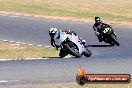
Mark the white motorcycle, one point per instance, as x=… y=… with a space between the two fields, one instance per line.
x=70 y=44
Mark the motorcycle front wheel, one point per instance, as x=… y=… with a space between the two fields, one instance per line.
x=87 y=53
x=73 y=50
x=114 y=39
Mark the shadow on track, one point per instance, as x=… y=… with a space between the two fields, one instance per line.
x=51 y=57
x=98 y=46
x=60 y=57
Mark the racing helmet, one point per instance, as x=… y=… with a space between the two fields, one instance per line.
x=52 y=31
x=97 y=19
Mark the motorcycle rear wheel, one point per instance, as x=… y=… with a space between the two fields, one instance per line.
x=62 y=53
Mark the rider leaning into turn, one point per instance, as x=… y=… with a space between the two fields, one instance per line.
x=53 y=31
x=98 y=26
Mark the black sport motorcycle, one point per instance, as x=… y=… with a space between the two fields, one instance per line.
x=108 y=35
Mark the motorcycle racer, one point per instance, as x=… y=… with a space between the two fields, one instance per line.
x=98 y=26
x=53 y=31
x=68 y=42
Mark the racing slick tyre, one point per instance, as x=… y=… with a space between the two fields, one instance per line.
x=81 y=80
x=114 y=39
x=87 y=53
x=73 y=50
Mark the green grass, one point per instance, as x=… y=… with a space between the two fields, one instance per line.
x=115 y=10
x=19 y=51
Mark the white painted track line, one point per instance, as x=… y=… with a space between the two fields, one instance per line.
x=6 y=81
x=30 y=44
x=5 y=40
x=3 y=81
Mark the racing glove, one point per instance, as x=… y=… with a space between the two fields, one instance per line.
x=97 y=33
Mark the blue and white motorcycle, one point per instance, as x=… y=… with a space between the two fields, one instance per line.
x=70 y=44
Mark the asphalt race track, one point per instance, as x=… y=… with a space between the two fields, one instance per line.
x=34 y=30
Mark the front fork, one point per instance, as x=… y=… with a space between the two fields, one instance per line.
x=114 y=34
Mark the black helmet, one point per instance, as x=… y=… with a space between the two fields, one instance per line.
x=97 y=19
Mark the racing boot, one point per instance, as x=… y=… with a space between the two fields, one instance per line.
x=100 y=38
